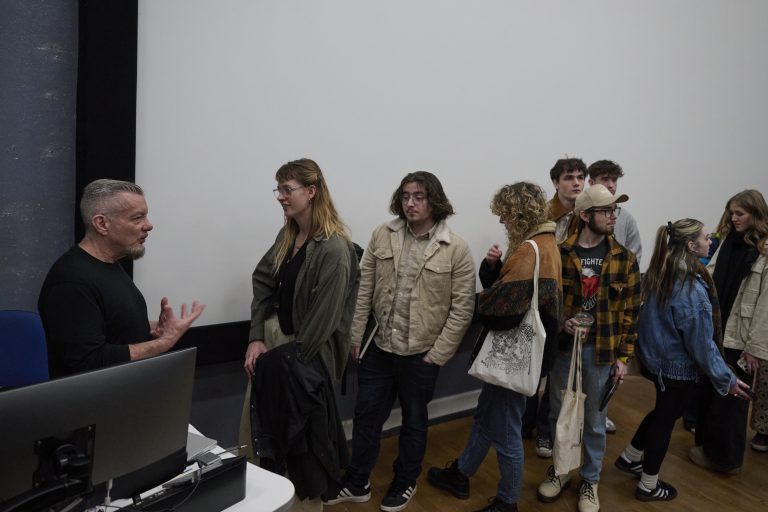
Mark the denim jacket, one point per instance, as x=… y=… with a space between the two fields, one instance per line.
x=676 y=342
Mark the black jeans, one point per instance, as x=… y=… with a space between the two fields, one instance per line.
x=655 y=430
x=382 y=377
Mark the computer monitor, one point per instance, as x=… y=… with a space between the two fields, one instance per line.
x=128 y=421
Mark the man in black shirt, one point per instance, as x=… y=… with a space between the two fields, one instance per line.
x=93 y=314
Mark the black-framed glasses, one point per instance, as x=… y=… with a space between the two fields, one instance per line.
x=607 y=212
x=285 y=191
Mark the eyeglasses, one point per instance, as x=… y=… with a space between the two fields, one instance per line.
x=417 y=197
x=285 y=191
x=607 y=211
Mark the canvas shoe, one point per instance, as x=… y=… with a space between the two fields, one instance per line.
x=450 y=479
x=397 y=497
x=662 y=492
x=551 y=488
x=348 y=492
x=588 y=500
x=544 y=447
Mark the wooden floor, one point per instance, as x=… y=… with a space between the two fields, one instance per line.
x=699 y=490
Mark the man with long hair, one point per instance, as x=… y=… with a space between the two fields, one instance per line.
x=418 y=282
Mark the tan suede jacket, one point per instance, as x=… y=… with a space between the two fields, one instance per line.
x=746 y=328
x=442 y=299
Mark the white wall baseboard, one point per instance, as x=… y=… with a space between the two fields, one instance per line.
x=437 y=408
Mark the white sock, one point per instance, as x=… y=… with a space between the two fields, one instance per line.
x=648 y=482
x=632 y=454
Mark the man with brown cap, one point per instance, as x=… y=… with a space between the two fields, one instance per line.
x=601 y=278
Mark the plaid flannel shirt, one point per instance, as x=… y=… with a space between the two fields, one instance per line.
x=618 y=301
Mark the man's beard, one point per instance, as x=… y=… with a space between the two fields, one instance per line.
x=597 y=229
x=135 y=252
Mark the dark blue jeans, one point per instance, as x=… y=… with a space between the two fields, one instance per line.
x=382 y=377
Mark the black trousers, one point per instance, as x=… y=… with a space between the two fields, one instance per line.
x=655 y=431
x=721 y=424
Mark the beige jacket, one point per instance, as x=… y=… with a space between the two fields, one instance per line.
x=442 y=299
x=747 y=326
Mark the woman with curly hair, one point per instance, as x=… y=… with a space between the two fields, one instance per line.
x=740 y=271
x=522 y=208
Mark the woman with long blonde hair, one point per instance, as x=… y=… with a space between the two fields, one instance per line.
x=304 y=291
x=739 y=270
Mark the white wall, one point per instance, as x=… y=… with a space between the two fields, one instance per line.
x=480 y=93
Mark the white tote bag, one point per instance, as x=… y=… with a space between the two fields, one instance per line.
x=570 y=421
x=512 y=359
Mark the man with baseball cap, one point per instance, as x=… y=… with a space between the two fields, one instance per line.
x=601 y=278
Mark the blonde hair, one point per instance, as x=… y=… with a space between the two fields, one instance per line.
x=523 y=207
x=672 y=261
x=325 y=220
x=752 y=202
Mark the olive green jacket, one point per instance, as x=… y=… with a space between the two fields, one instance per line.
x=323 y=301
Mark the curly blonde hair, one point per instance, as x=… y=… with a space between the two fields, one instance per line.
x=522 y=207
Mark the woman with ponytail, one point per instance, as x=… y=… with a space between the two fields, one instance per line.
x=678 y=330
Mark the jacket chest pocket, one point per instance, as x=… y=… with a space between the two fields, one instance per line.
x=385 y=265
x=617 y=292
x=750 y=290
x=436 y=279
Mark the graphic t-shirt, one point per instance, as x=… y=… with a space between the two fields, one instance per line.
x=591 y=266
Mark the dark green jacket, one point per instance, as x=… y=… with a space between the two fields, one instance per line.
x=323 y=302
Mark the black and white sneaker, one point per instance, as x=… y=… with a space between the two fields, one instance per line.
x=633 y=468
x=348 y=492
x=662 y=492
x=397 y=497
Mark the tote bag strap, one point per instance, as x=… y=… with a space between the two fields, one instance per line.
x=535 y=298
x=574 y=374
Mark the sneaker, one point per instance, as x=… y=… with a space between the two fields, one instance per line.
x=397 y=497
x=697 y=456
x=588 y=500
x=450 y=479
x=347 y=492
x=610 y=426
x=496 y=505
x=551 y=488
x=759 y=443
x=544 y=447
x=662 y=492
x=627 y=466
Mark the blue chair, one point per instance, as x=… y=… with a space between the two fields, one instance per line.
x=23 y=353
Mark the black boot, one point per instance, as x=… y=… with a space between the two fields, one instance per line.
x=499 y=506
x=450 y=479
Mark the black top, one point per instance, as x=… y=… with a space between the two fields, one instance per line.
x=91 y=311
x=591 y=266
x=286 y=278
x=733 y=265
